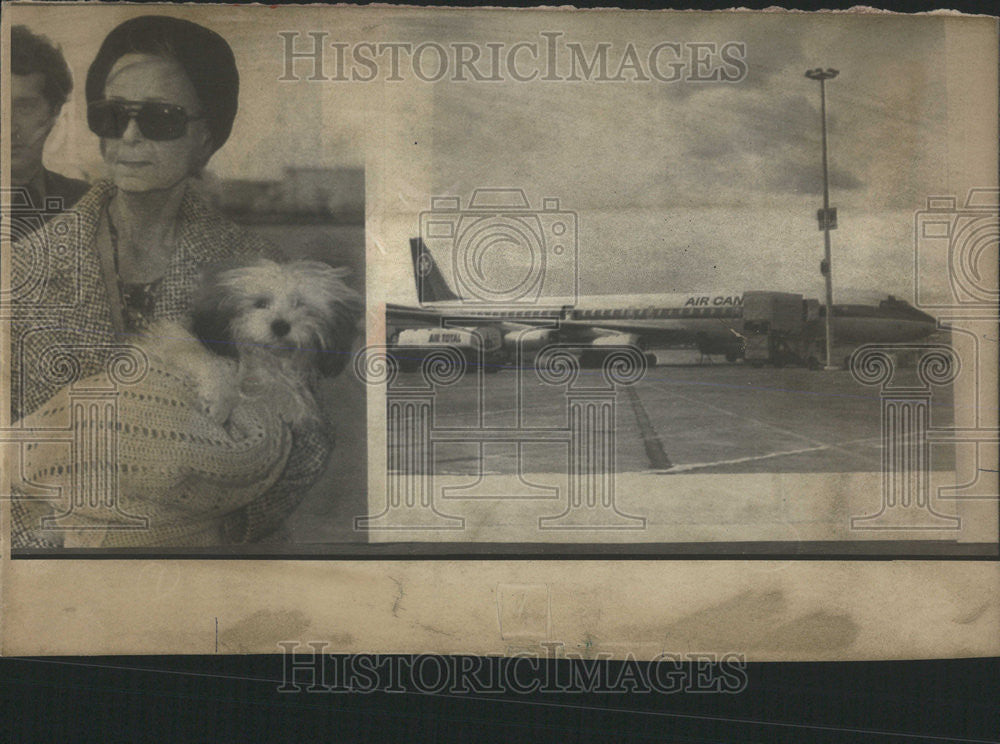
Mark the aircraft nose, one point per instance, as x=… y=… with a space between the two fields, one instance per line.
x=924 y=324
x=927 y=319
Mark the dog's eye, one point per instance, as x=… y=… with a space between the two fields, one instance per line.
x=260 y=302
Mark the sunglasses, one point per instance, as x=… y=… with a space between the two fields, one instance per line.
x=157 y=121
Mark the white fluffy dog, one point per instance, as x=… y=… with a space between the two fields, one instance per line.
x=272 y=328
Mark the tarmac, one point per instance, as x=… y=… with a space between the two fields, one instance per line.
x=796 y=454
x=713 y=417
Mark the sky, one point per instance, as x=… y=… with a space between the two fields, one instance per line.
x=680 y=187
x=673 y=187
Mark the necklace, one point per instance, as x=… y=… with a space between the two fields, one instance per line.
x=136 y=299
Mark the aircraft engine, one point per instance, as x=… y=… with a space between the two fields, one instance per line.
x=465 y=339
x=616 y=339
x=411 y=346
x=528 y=340
x=603 y=345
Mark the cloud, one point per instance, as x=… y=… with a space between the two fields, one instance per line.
x=809 y=180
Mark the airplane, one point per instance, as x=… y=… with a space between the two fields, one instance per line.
x=758 y=327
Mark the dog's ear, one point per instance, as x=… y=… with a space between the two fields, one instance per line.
x=340 y=331
x=211 y=316
x=332 y=362
x=343 y=306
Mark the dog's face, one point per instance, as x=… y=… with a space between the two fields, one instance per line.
x=300 y=310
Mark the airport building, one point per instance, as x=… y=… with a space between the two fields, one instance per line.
x=303 y=193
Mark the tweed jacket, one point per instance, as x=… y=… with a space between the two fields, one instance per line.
x=59 y=300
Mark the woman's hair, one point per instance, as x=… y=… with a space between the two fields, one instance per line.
x=204 y=56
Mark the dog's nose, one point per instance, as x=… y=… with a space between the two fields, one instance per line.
x=280 y=328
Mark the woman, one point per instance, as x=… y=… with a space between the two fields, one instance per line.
x=162 y=96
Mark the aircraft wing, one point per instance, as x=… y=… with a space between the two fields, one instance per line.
x=397 y=314
x=423 y=317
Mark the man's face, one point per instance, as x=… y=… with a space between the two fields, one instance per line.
x=32 y=120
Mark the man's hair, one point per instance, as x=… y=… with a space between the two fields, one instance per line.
x=33 y=53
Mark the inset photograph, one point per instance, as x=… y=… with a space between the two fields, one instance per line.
x=187 y=290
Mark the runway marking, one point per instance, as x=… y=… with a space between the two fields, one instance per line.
x=738 y=460
x=816 y=443
x=650 y=439
x=655 y=452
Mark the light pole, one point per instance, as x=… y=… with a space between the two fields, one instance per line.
x=827 y=217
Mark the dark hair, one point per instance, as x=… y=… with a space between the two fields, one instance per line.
x=204 y=55
x=32 y=53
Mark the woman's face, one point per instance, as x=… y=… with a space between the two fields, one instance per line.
x=139 y=164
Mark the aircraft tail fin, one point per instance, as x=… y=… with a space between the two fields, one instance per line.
x=431 y=284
